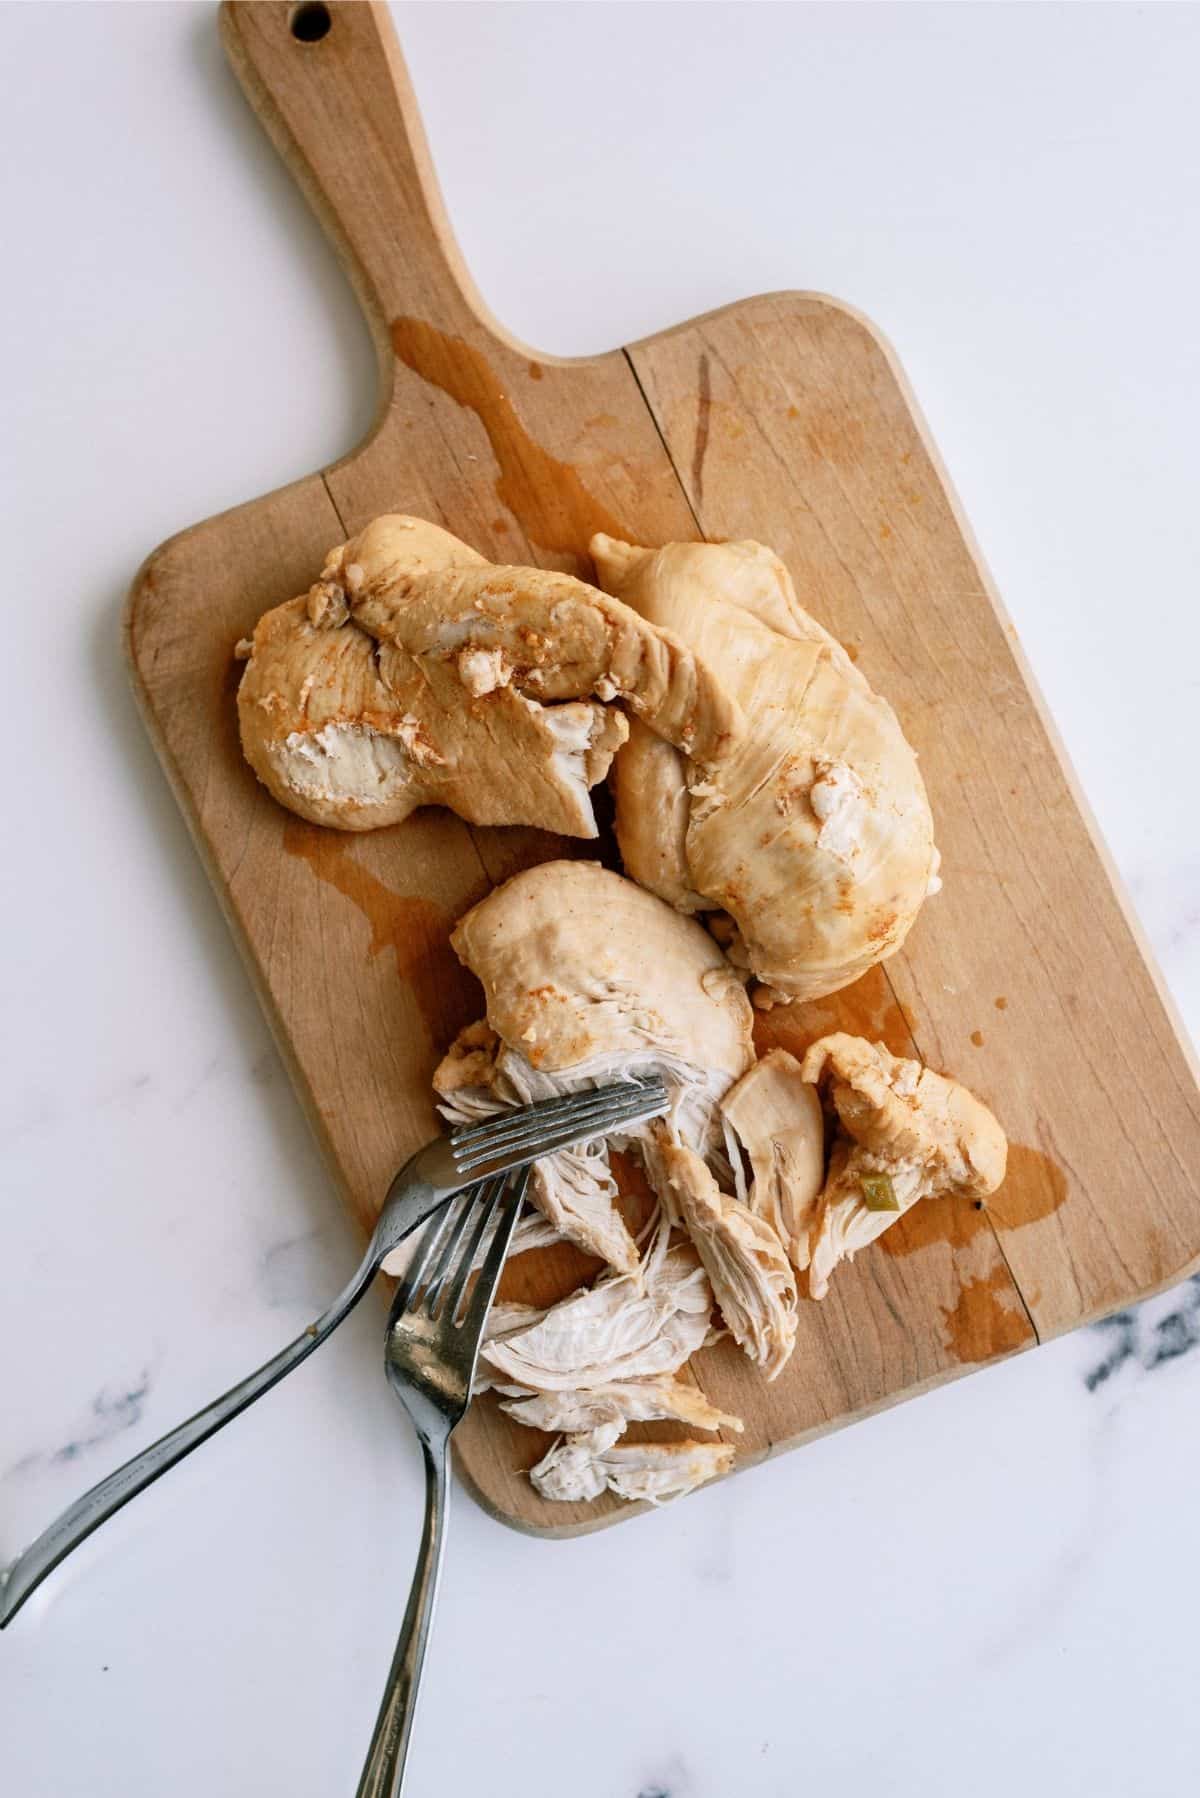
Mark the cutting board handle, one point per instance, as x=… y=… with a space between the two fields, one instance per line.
x=328 y=81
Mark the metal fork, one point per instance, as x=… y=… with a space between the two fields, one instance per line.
x=424 y=1184
x=430 y=1351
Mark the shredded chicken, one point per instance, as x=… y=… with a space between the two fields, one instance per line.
x=415 y=673
x=777 y=1117
x=574 y=1190
x=744 y=1258
x=814 y=834
x=651 y=1472
x=625 y=1327
x=904 y=1134
x=621 y=1402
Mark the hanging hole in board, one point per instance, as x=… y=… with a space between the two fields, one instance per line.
x=311 y=22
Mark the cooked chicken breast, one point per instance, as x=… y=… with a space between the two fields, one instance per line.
x=904 y=1133
x=814 y=833
x=415 y=673
x=588 y=978
x=579 y=967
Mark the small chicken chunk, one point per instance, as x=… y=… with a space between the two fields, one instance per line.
x=904 y=1133
x=744 y=1258
x=776 y=1115
x=574 y=1472
x=620 y=1403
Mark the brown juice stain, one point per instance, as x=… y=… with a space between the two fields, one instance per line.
x=546 y=496
x=1001 y=1003
x=977 y=1038
x=415 y=930
x=1034 y=1188
x=981 y=1325
x=868 y=1008
x=954 y=1221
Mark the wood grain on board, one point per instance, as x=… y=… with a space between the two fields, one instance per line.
x=782 y=418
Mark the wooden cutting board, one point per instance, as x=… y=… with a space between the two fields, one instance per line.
x=783 y=418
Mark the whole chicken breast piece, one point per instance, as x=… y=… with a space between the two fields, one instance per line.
x=751 y=1278
x=777 y=1117
x=415 y=673
x=648 y=1471
x=582 y=969
x=588 y=978
x=814 y=832
x=917 y=1132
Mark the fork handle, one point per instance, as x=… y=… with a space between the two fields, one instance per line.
x=383 y=1772
x=96 y=1506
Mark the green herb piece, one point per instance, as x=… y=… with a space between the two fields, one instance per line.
x=878 y=1193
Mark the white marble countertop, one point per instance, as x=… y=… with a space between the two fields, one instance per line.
x=989 y=1590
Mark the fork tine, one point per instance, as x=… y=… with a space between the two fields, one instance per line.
x=547 y=1108
x=530 y=1136
x=532 y=1145
x=459 y=1211
x=431 y=1240
x=551 y=1111
x=490 y=1198
x=489 y=1274
x=480 y=1202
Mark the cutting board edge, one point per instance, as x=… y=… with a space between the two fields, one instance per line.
x=156 y=731
x=1141 y=941
x=944 y=1376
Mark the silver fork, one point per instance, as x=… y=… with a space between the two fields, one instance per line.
x=430 y=1351
x=425 y=1183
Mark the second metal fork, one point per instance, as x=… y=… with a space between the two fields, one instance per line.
x=430 y=1350
x=442 y=1168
